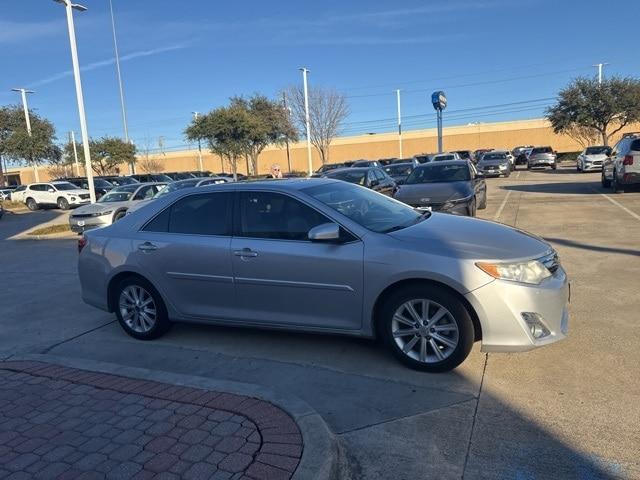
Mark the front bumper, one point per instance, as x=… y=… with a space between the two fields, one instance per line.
x=82 y=224
x=500 y=305
x=591 y=167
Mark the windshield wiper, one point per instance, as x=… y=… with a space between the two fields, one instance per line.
x=419 y=219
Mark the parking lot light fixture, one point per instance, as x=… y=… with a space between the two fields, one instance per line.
x=69 y=7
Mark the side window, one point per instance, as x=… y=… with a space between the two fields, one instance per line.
x=276 y=216
x=205 y=214
x=635 y=145
x=371 y=177
x=379 y=175
x=144 y=193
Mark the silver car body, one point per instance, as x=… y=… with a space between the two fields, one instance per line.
x=104 y=213
x=304 y=285
x=541 y=157
x=590 y=161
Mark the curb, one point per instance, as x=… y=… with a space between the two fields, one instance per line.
x=320 y=448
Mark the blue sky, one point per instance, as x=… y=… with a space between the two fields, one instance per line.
x=515 y=54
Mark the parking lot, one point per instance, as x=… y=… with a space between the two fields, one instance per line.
x=569 y=410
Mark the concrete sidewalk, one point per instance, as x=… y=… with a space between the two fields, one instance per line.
x=58 y=422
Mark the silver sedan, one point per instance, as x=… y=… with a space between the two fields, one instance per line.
x=327 y=256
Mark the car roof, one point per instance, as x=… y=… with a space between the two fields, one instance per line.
x=286 y=184
x=352 y=169
x=444 y=162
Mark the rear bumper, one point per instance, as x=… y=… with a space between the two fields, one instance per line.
x=631 y=178
x=500 y=305
x=82 y=224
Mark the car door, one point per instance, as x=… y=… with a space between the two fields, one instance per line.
x=41 y=193
x=281 y=277
x=479 y=185
x=185 y=253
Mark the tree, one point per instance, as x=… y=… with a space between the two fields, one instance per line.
x=327 y=111
x=606 y=108
x=585 y=136
x=227 y=131
x=270 y=123
x=108 y=153
x=18 y=145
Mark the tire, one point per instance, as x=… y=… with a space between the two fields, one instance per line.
x=62 y=203
x=483 y=204
x=615 y=186
x=119 y=215
x=554 y=167
x=422 y=347
x=137 y=321
x=32 y=204
x=578 y=169
x=473 y=208
x=528 y=167
x=507 y=174
x=606 y=183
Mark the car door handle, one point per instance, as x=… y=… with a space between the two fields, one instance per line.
x=245 y=252
x=147 y=247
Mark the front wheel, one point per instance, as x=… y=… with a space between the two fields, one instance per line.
x=427 y=328
x=528 y=167
x=32 y=204
x=554 y=167
x=63 y=204
x=606 y=183
x=615 y=186
x=140 y=309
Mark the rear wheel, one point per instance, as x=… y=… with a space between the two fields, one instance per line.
x=473 y=207
x=427 y=328
x=615 y=186
x=528 y=166
x=606 y=183
x=140 y=309
x=32 y=204
x=119 y=215
x=63 y=204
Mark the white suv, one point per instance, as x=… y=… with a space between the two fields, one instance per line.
x=622 y=167
x=60 y=194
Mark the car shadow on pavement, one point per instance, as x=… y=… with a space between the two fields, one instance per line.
x=13 y=223
x=560 y=188
x=595 y=248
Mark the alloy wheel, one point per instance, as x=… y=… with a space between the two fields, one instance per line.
x=137 y=308
x=425 y=331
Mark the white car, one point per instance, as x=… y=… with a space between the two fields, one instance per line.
x=592 y=158
x=63 y=195
x=18 y=194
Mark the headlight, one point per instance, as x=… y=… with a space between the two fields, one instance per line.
x=503 y=167
x=100 y=214
x=532 y=272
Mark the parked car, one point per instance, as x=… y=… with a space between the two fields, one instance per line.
x=100 y=185
x=622 y=168
x=542 y=157
x=5 y=192
x=327 y=167
x=494 y=164
x=120 y=180
x=175 y=176
x=63 y=195
x=478 y=153
x=18 y=194
x=592 y=158
x=423 y=157
x=151 y=177
x=365 y=163
x=446 y=156
x=452 y=186
x=509 y=155
x=111 y=207
x=399 y=171
x=466 y=155
x=370 y=177
x=520 y=154
x=347 y=261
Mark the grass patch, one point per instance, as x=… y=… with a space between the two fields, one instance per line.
x=51 y=229
x=9 y=205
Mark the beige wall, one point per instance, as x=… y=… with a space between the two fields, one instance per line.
x=502 y=135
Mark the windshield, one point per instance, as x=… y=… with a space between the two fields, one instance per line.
x=597 y=151
x=434 y=173
x=65 y=186
x=172 y=187
x=542 y=150
x=440 y=158
x=372 y=210
x=352 y=176
x=494 y=156
x=116 y=196
x=464 y=154
x=398 y=170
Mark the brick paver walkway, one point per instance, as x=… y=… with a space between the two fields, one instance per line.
x=64 y=423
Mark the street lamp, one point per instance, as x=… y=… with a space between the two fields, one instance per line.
x=195 y=118
x=23 y=94
x=306 y=118
x=69 y=7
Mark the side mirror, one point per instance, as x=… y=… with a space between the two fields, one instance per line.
x=50 y=190
x=327 y=232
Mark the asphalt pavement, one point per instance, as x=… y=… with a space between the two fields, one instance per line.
x=569 y=410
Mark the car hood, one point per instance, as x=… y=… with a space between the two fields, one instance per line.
x=599 y=156
x=484 y=163
x=100 y=207
x=77 y=191
x=472 y=238
x=435 y=192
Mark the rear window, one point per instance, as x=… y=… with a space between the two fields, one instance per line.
x=635 y=145
x=542 y=150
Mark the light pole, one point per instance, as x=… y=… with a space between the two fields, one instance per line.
x=195 y=117
x=23 y=94
x=599 y=65
x=287 y=111
x=399 y=123
x=306 y=118
x=119 y=75
x=76 y=74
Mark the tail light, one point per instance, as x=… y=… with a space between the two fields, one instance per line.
x=82 y=241
x=628 y=160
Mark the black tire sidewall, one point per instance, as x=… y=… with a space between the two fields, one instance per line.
x=63 y=204
x=32 y=204
x=162 y=324
x=118 y=216
x=444 y=298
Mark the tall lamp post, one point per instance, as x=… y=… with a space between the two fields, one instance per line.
x=23 y=93
x=287 y=111
x=69 y=7
x=399 y=123
x=306 y=118
x=195 y=117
